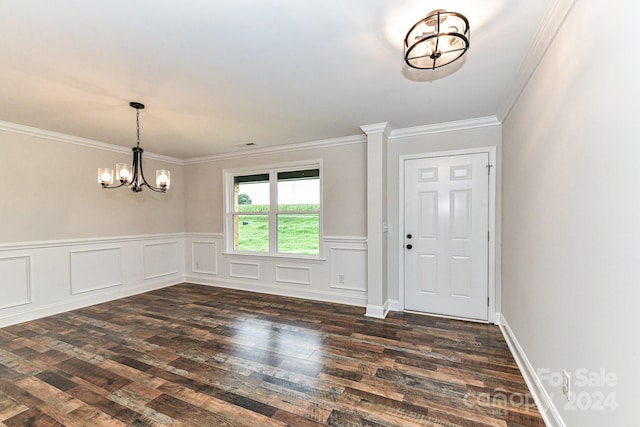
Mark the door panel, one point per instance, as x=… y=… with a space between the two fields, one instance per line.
x=460 y=214
x=461 y=276
x=446 y=225
x=429 y=211
x=428 y=273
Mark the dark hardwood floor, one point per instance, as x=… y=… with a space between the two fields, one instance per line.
x=205 y=356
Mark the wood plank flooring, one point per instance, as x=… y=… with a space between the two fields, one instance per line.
x=204 y=356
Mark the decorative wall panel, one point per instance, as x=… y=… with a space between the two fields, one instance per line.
x=95 y=269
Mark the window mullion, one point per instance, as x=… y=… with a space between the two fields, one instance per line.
x=273 y=206
x=234 y=216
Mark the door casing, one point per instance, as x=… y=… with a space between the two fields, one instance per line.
x=493 y=317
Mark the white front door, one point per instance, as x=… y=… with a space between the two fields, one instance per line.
x=446 y=227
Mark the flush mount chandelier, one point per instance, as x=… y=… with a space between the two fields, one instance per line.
x=131 y=175
x=437 y=40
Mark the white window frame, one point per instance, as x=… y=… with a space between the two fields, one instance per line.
x=272 y=170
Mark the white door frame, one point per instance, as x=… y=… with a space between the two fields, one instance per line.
x=491 y=151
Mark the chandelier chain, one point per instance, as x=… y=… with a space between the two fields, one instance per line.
x=137 y=128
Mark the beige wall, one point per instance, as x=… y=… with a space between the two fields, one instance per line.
x=50 y=191
x=344 y=188
x=571 y=211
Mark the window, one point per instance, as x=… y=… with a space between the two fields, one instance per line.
x=275 y=211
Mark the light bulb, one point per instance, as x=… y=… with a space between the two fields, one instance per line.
x=105 y=176
x=123 y=172
x=163 y=178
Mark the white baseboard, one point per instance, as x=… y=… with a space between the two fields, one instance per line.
x=497 y=319
x=264 y=288
x=377 y=311
x=394 y=305
x=545 y=405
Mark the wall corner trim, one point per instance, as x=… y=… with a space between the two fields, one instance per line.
x=543 y=401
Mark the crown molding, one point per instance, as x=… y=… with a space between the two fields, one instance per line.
x=309 y=145
x=549 y=27
x=75 y=140
x=383 y=127
x=445 y=127
x=355 y=139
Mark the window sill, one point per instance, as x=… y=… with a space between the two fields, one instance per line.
x=276 y=257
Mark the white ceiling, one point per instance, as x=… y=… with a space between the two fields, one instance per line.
x=215 y=75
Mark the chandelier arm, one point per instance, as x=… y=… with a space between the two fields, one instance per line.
x=135 y=182
x=144 y=180
x=110 y=187
x=156 y=189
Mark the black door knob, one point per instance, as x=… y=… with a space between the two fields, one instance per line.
x=409 y=236
x=409 y=246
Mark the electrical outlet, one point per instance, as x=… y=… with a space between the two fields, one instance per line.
x=566 y=384
x=340 y=278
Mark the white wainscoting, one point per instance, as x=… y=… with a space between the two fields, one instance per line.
x=95 y=269
x=160 y=259
x=244 y=270
x=15 y=281
x=303 y=277
x=204 y=257
x=39 y=279
x=346 y=267
x=293 y=274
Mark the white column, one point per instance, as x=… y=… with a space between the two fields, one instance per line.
x=377 y=137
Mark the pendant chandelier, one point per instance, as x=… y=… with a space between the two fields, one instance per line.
x=437 y=40
x=131 y=175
